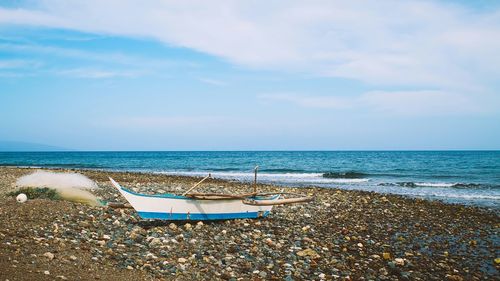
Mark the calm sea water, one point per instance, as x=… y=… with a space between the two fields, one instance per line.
x=466 y=177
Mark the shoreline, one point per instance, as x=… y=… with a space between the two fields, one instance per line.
x=443 y=200
x=359 y=234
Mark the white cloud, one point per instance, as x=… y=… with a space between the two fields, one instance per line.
x=412 y=44
x=18 y=68
x=420 y=102
x=19 y=64
x=162 y=122
x=100 y=64
x=233 y=127
x=329 y=102
x=408 y=103
x=93 y=73
x=100 y=57
x=212 y=81
x=381 y=42
x=22 y=16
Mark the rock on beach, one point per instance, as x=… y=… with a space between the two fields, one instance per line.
x=343 y=235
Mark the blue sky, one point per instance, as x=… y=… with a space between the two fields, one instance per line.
x=161 y=75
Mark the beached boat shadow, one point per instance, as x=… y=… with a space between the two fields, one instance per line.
x=148 y=224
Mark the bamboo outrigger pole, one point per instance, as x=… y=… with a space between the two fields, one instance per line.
x=198 y=183
x=255 y=179
x=277 y=202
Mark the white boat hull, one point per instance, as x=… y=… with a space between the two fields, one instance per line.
x=177 y=207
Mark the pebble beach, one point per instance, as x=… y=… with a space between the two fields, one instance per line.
x=341 y=235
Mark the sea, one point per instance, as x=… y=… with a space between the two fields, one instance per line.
x=462 y=177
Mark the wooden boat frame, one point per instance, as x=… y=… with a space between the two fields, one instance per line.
x=206 y=206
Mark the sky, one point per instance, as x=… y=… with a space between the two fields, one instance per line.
x=250 y=75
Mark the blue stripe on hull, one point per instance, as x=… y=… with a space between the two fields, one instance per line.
x=196 y=217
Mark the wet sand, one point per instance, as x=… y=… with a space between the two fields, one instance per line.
x=342 y=235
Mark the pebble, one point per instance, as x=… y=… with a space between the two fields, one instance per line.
x=308 y=252
x=399 y=261
x=386 y=256
x=155 y=242
x=342 y=238
x=46 y=272
x=137 y=234
x=452 y=277
x=49 y=255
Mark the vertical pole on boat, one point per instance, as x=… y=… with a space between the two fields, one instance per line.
x=255 y=179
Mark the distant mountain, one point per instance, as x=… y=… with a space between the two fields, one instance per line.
x=27 y=146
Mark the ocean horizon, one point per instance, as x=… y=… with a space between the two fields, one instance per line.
x=470 y=177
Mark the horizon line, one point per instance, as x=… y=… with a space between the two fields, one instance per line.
x=259 y=150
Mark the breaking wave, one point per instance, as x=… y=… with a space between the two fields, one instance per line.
x=345 y=175
x=438 y=184
x=287 y=178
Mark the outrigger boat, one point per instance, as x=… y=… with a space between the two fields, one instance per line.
x=206 y=206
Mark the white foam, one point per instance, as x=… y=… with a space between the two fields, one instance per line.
x=297 y=178
x=349 y=180
x=469 y=196
x=245 y=175
x=434 y=184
